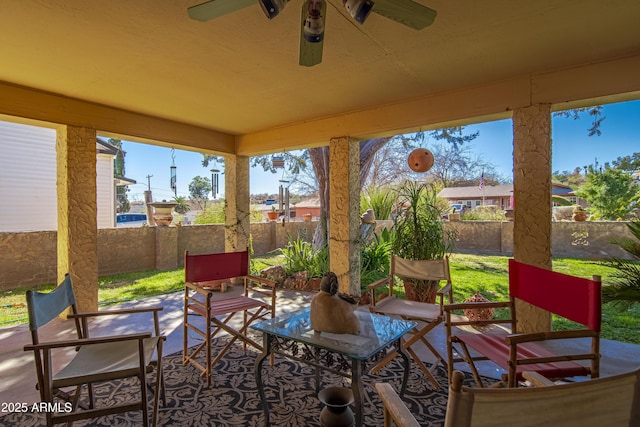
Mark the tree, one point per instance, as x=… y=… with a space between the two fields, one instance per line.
x=572 y=179
x=595 y=112
x=628 y=163
x=320 y=161
x=119 y=172
x=457 y=167
x=609 y=191
x=199 y=189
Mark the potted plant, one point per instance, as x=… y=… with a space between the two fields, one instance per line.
x=273 y=214
x=420 y=234
x=454 y=215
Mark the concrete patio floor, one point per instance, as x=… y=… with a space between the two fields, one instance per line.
x=17 y=371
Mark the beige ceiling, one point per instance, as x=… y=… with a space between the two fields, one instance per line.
x=239 y=74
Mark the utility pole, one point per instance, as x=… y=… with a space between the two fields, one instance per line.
x=148 y=198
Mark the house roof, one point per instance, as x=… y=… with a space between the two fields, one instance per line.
x=309 y=203
x=146 y=71
x=506 y=190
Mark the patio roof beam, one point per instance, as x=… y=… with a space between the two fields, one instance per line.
x=23 y=102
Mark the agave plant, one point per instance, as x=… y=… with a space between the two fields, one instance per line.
x=625 y=289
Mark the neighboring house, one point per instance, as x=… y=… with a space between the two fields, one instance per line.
x=28 y=179
x=494 y=195
x=566 y=192
x=498 y=195
x=298 y=210
x=308 y=206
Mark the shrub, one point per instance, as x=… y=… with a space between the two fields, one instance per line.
x=380 y=200
x=375 y=259
x=484 y=213
x=300 y=255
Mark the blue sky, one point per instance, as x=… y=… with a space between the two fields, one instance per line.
x=572 y=147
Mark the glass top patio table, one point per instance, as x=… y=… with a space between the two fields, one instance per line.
x=376 y=333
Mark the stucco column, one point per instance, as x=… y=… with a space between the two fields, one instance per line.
x=532 y=202
x=167 y=256
x=77 y=212
x=237 y=203
x=344 y=221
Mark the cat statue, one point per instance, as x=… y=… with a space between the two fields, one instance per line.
x=331 y=312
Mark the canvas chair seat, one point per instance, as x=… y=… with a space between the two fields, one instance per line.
x=495 y=347
x=229 y=305
x=105 y=362
x=411 y=309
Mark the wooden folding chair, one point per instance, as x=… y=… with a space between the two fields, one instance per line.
x=612 y=401
x=573 y=298
x=201 y=300
x=428 y=315
x=95 y=360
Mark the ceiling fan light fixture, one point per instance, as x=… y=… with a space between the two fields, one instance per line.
x=314 y=23
x=359 y=9
x=272 y=8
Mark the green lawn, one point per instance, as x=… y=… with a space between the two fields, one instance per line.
x=470 y=273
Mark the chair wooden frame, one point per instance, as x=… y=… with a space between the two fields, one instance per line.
x=573 y=298
x=612 y=401
x=96 y=359
x=258 y=301
x=428 y=315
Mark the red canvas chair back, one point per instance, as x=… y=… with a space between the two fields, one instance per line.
x=574 y=298
x=209 y=267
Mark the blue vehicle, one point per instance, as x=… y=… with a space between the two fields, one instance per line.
x=131 y=219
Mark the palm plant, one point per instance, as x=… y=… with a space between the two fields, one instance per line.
x=182 y=206
x=625 y=289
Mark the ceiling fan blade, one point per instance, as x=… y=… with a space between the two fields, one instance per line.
x=406 y=12
x=312 y=25
x=215 y=8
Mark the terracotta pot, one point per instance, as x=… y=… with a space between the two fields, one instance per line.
x=307 y=217
x=272 y=215
x=423 y=293
x=579 y=215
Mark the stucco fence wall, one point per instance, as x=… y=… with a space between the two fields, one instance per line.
x=29 y=259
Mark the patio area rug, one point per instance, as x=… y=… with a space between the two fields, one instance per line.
x=232 y=399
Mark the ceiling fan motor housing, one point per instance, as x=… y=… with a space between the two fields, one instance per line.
x=272 y=8
x=314 y=23
x=359 y=9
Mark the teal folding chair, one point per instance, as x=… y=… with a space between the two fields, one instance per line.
x=95 y=360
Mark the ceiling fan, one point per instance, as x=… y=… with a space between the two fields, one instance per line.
x=406 y=12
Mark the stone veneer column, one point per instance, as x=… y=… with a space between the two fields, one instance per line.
x=344 y=221
x=237 y=201
x=77 y=212
x=532 y=202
